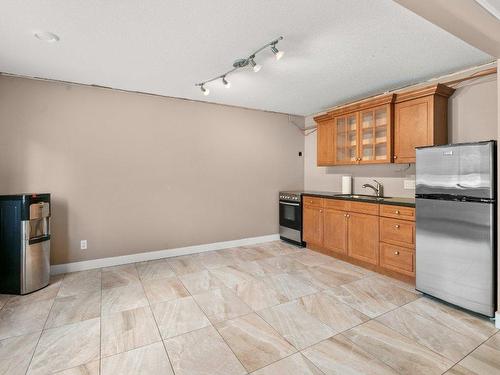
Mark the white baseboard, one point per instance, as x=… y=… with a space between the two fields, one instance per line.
x=159 y=254
x=497 y=319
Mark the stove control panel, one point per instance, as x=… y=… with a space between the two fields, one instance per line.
x=292 y=197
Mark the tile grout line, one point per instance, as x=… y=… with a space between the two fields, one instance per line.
x=43 y=328
x=438 y=323
x=237 y=317
x=154 y=317
x=380 y=360
x=272 y=328
x=256 y=312
x=212 y=324
x=473 y=350
x=452 y=328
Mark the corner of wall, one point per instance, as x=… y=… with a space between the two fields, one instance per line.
x=497 y=321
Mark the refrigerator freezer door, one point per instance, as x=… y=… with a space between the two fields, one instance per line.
x=455 y=253
x=466 y=170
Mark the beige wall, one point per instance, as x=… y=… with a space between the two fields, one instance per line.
x=473 y=111
x=133 y=173
x=472 y=117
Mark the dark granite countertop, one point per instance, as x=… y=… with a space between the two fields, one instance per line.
x=396 y=201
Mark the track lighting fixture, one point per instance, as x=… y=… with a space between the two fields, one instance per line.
x=277 y=53
x=256 y=67
x=242 y=63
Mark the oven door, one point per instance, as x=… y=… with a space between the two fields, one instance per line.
x=290 y=215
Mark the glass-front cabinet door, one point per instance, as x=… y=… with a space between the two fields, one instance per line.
x=346 y=139
x=375 y=135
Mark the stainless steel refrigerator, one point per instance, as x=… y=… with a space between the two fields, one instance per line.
x=456 y=224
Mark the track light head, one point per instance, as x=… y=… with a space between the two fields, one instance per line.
x=256 y=67
x=277 y=53
x=204 y=90
x=226 y=83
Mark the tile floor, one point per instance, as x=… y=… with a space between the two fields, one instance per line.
x=265 y=309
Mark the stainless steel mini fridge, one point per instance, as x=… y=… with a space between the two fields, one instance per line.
x=456 y=224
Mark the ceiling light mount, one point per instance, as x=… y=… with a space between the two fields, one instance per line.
x=46 y=36
x=242 y=63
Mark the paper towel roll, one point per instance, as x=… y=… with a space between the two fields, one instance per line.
x=346 y=184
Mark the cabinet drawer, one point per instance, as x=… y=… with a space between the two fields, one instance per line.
x=398 y=232
x=397 y=258
x=312 y=201
x=337 y=204
x=364 y=208
x=399 y=212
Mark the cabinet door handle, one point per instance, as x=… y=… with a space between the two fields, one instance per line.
x=396 y=226
x=396 y=253
x=395 y=156
x=347 y=215
x=320 y=211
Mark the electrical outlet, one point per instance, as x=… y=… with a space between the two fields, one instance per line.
x=409 y=184
x=83 y=245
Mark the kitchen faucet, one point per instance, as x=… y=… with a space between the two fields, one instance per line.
x=379 y=189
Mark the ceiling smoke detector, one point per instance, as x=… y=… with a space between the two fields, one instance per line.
x=46 y=36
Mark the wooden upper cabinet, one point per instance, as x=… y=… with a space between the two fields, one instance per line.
x=325 y=141
x=384 y=129
x=362 y=133
x=420 y=119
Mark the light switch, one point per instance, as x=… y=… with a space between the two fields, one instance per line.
x=83 y=245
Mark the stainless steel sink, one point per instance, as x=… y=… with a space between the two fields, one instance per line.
x=361 y=197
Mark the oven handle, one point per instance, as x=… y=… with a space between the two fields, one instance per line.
x=290 y=204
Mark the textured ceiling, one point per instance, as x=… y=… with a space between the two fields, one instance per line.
x=335 y=50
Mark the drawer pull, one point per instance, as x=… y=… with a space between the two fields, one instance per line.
x=397 y=212
x=396 y=253
x=396 y=226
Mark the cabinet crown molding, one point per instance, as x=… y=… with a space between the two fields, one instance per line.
x=323 y=118
x=438 y=89
x=362 y=105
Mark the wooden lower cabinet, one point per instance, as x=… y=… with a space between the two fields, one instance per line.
x=363 y=237
x=335 y=231
x=397 y=232
x=397 y=258
x=378 y=237
x=312 y=224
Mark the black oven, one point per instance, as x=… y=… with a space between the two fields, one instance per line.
x=290 y=206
